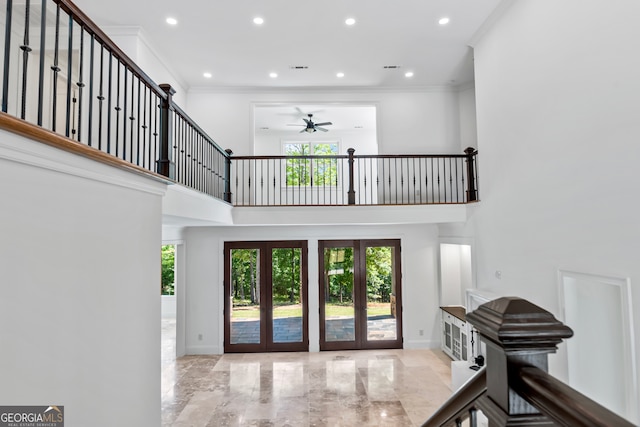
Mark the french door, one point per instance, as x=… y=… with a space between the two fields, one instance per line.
x=266 y=305
x=360 y=294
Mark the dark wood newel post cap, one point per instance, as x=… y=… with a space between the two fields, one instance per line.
x=229 y=151
x=167 y=88
x=470 y=151
x=516 y=324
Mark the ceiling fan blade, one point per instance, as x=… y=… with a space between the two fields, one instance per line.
x=291 y=124
x=324 y=124
x=308 y=122
x=322 y=129
x=303 y=131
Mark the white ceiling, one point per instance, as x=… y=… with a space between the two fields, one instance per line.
x=220 y=37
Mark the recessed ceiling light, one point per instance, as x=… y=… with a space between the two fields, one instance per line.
x=258 y=21
x=408 y=74
x=350 y=21
x=273 y=75
x=172 y=21
x=340 y=75
x=207 y=75
x=443 y=21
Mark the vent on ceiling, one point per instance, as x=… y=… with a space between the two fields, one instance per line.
x=298 y=67
x=391 y=66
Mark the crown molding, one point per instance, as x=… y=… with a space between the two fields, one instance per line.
x=323 y=89
x=491 y=20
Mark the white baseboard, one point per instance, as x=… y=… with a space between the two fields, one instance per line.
x=420 y=344
x=203 y=350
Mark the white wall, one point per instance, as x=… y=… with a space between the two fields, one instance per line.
x=79 y=312
x=205 y=278
x=133 y=42
x=558 y=105
x=416 y=122
x=467 y=114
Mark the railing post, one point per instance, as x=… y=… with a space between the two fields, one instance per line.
x=516 y=333
x=472 y=193
x=166 y=166
x=351 y=194
x=227 y=176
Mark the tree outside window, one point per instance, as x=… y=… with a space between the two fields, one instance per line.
x=306 y=172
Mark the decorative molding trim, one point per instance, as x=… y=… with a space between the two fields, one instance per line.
x=324 y=90
x=495 y=16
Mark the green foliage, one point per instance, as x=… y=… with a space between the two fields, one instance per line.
x=167 y=286
x=285 y=276
x=379 y=273
x=300 y=172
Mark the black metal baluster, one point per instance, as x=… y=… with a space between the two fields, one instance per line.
x=457 y=183
x=153 y=154
x=138 y=127
x=420 y=178
x=56 y=70
x=91 y=77
x=433 y=194
x=7 y=55
x=80 y=83
x=414 y=180
x=473 y=417
x=132 y=118
x=125 y=89
x=439 y=191
x=110 y=95
x=67 y=126
x=100 y=97
x=43 y=39
x=118 y=108
x=450 y=181
x=144 y=126
x=25 y=59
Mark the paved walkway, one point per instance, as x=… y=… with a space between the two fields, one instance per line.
x=289 y=329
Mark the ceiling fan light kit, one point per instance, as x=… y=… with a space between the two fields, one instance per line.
x=311 y=127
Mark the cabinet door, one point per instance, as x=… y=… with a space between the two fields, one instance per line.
x=447 y=335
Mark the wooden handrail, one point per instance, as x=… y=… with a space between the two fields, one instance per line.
x=36 y=133
x=562 y=403
x=461 y=401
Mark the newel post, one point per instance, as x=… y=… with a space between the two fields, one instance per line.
x=166 y=165
x=227 y=176
x=351 y=194
x=516 y=333
x=472 y=192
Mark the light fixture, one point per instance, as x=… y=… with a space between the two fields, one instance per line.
x=273 y=75
x=340 y=75
x=258 y=21
x=443 y=21
x=408 y=74
x=172 y=21
x=207 y=75
x=350 y=21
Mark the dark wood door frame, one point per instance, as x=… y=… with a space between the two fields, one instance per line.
x=266 y=316
x=360 y=296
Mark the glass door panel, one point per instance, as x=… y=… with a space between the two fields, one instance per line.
x=339 y=298
x=286 y=295
x=245 y=297
x=381 y=301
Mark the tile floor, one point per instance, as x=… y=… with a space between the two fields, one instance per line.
x=341 y=388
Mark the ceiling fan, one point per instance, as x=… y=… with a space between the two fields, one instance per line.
x=310 y=126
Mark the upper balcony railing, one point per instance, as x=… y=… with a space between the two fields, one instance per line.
x=63 y=74
x=350 y=179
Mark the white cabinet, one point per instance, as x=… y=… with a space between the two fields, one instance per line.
x=454 y=332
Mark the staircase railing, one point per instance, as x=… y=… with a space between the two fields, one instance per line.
x=63 y=73
x=515 y=387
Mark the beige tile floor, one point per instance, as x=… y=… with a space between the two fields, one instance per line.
x=341 y=388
